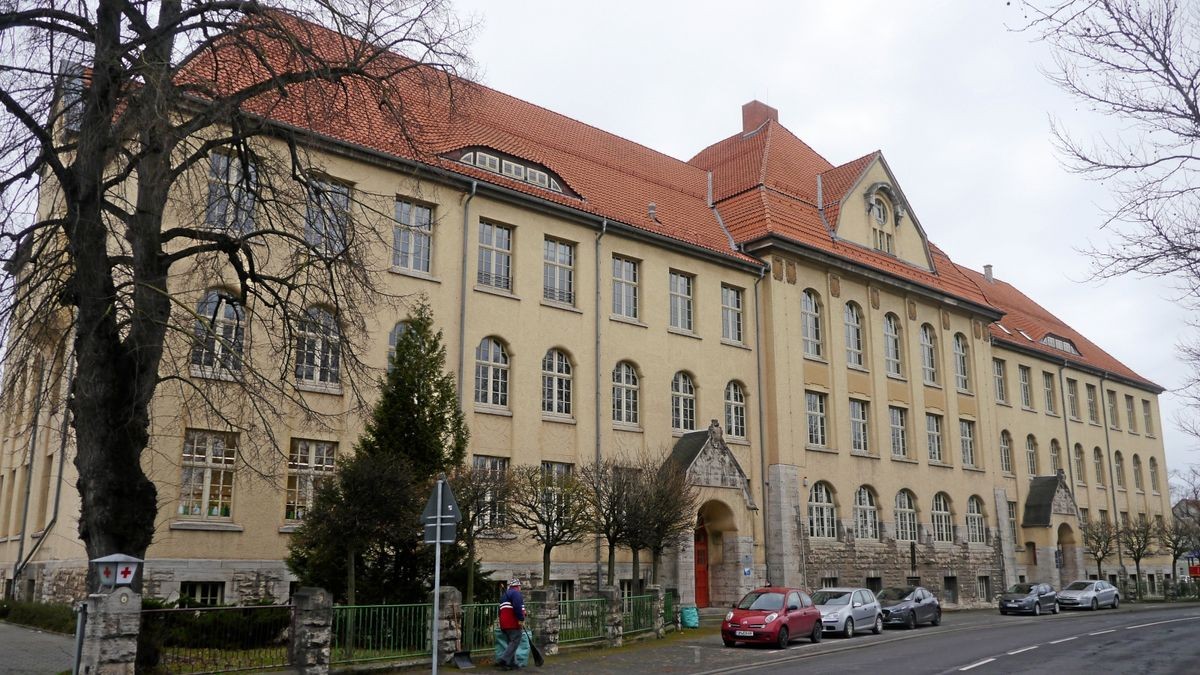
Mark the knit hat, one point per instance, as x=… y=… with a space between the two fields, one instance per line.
x=514 y=582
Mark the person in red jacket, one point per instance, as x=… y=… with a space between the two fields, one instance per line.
x=512 y=622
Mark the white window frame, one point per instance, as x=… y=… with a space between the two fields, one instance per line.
x=1031 y=455
x=491 y=373
x=1147 y=418
x=1073 y=398
x=1098 y=466
x=232 y=184
x=1154 y=485
x=933 y=437
x=495 y=255
x=822 y=512
x=557 y=384
x=810 y=323
x=897 y=421
x=962 y=368
x=929 y=369
x=1023 y=377
x=492 y=511
x=682 y=288
x=219 y=335
x=1012 y=522
x=626 y=392
x=906 y=516
x=683 y=402
x=1119 y=470
x=412 y=237
x=1138 y=482
x=625 y=287
x=860 y=429
x=966 y=435
x=208 y=465
x=815 y=404
x=1006 y=464
x=310 y=462
x=852 y=317
x=1130 y=414
x=558 y=271
x=866 y=514
x=999 y=374
x=942 y=519
x=735 y=410
x=1048 y=389
x=976 y=524
x=731 y=313
x=327 y=215
x=1080 y=464
x=1114 y=414
x=1093 y=404
x=393 y=338
x=318 y=349
x=893 y=353
x=1055 y=455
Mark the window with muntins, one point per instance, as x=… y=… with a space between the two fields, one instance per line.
x=683 y=402
x=412 y=236
x=204 y=593
x=881 y=226
x=893 y=358
x=906 y=516
x=491 y=374
x=1023 y=375
x=1055 y=458
x=327 y=218
x=393 y=338
x=1147 y=418
x=899 y=426
x=866 y=515
x=491 y=509
x=681 y=300
x=1118 y=470
x=1031 y=455
x=1154 y=474
x=976 y=528
x=206 y=485
x=309 y=464
x=731 y=313
x=859 y=427
x=1093 y=409
x=815 y=403
x=1006 y=452
x=1073 y=399
x=1129 y=414
x=943 y=523
x=232 y=184
x=1114 y=418
x=558 y=271
x=735 y=410
x=495 y=255
x=318 y=348
x=1080 y=465
x=822 y=515
x=625 y=394
x=933 y=436
x=962 y=372
x=1098 y=463
x=1137 y=473
x=1001 y=385
x=219 y=335
x=625 y=287
x=966 y=431
x=1012 y=521
x=556 y=383
x=928 y=355
x=854 y=337
x=1048 y=387
x=810 y=323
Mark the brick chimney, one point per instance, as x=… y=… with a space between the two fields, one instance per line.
x=755 y=113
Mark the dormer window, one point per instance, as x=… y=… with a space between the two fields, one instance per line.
x=1061 y=344
x=512 y=170
x=881 y=213
x=881 y=226
x=512 y=167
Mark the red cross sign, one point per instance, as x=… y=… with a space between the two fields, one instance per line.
x=125 y=575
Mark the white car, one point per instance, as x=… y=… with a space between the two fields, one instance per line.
x=847 y=610
x=1090 y=594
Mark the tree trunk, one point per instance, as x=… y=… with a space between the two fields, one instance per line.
x=1099 y=571
x=546 y=566
x=1137 y=579
x=637 y=563
x=351 y=592
x=612 y=562
x=655 y=559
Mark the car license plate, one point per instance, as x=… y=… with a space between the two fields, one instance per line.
x=744 y=633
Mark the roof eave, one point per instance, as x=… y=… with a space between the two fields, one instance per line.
x=1066 y=360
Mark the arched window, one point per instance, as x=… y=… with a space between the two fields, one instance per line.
x=943 y=523
x=893 y=357
x=1080 y=465
x=219 y=333
x=906 y=516
x=683 y=402
x=393 y=338
x=962 y=373
x=556 y=383
x=1154 y=474
x=318 y=348
x=866 y=515
x=1006 y=452
x=735 y=410
x=1137 y=473
x=854 y=337
x=822 y=514
x=491 y=373
x=1055 y=459
x=1031 y=454
x=625 y=394
x=929 y=355
x=976 y=532
x=810 y=318
x=1098 y=461
x=881 y=226
x=1118 y=469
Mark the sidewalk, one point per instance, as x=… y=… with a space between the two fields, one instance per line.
x=28 y=651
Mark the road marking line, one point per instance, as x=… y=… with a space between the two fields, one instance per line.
x=1102 y=632
x=1156 y=623
x=976 y=665
x=1054 y=642
x=1018 y=651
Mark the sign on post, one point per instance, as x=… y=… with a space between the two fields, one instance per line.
x=440 y=519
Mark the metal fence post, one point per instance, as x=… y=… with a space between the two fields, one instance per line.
x=80 y=626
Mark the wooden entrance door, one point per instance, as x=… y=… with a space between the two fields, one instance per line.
x=701 y=542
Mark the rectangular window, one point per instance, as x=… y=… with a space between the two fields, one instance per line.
x=73 y=90
x=983 y=588
x=899 y=431
x=1147 y=418
x=491 y=510
x=950 y=589
x=565 y=589
x=495 y=255
x=1012 y=522
x=206 y=488
x=412 y=236
x=512 y=169
x=966 y=431
x=1001 y=384
x=207 y=593
x=681 y=300
x=1026 y=387
x=815 y=403
x=1083 y=516
x=1073 y=399
x=328 y=216
x=829 y=582
x=731 y=313
x=1129 y=414
x=1048 y=388
x=558 y=271
x=309 y=464
x=1093 y=409
x=1114 y=416
x=232 y=182
x=859 y=429
x=625 y=287
x=933 y=433
x=486 y=161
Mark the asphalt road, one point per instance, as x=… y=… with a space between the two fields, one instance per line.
x=1158 y=639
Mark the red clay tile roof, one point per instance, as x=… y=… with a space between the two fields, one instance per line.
x=1023 y=314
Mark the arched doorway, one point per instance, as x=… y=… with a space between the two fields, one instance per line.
x=1069 y=552
x=714 y=522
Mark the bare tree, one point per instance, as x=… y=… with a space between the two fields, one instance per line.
x=482 y=493
x=1137 y=539
x=1100 y=542
x=552 y=509
x=1137 y=63
x=608 y=488
x=666 y=509
x=1177 y=538
x=149 y=151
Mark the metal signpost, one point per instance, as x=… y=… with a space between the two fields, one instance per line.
x=440 y=519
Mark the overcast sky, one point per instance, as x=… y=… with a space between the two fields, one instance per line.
x=952 y=96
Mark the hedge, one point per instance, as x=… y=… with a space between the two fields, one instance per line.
x=51 y=617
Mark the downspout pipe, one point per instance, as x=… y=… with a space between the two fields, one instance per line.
x=1112 y=479
x=596 y=347
x=1069 y=448
x=762 y=428
x=462 y=302
x=33 y=435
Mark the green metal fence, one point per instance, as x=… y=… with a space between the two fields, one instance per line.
x=670 y=606
x=479 y=622
x=582 y=620
x=214 y=639
x=639 y=614
x=379 y=632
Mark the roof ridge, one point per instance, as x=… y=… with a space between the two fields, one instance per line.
x=766 y=153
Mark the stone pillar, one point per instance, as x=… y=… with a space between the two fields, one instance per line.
x=656 y=608
x=615 y=630
x=450 y=621
x=1007 y=547
x=111 y=635
x=685 y=570
x=545 y=620
x=783 y=508
x=312 y=631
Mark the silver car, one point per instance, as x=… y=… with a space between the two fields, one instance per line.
x=1090 y=594
x=846 y=610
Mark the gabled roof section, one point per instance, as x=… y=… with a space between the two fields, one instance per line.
x=836 y=182
x=1023 y=314
x=1048 y=495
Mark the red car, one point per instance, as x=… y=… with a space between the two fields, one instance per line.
x=772 y=615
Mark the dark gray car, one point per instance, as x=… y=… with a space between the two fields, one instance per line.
x=909 y=606
x=1033 y=598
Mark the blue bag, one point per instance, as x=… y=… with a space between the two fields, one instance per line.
x=522 y=655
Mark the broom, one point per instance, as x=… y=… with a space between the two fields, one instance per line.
x=533 y=650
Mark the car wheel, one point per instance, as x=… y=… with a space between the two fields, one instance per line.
x=912 y=621
x=728 y=643
x=1116 y=601
x=878 y=627
x=1095 y=605
x=848 y=629
x=1037 y=608
x=937 y=618
x=781 y=641
x=1004 y=612
x=817 y=632
x=1054 y=608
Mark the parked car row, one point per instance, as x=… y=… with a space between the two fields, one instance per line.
x=776 y=615
x=1036 y=598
